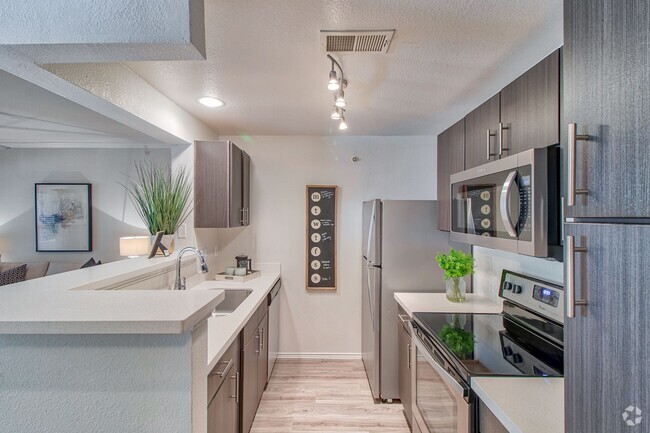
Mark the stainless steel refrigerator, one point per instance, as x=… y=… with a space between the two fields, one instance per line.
x=400 y=243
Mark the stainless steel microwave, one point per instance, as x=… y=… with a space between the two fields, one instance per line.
x=512 y=204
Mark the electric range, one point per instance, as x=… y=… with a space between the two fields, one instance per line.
x=526 y=339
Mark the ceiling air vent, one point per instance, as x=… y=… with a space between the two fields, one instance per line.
x=356 y=41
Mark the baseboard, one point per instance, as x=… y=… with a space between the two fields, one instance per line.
x=318 y=355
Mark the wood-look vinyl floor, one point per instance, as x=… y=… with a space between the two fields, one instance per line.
x=314 y=396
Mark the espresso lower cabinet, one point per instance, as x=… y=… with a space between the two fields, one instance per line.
x=223 y=406
x=255 y=355
x=250 y=359
x=488 y=422
x=263 y=361
x=404 y=364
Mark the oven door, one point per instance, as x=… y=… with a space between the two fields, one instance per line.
x=442 y=403
x=503 y=204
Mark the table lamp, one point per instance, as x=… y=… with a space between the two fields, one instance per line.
x=134 y=246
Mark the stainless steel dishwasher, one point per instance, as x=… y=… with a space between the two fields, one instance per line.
x=274 y=325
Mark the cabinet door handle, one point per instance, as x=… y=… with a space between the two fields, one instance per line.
x=237 y=381
x=408 y=357
x=247 y=216
x=258 y=342
x=571 y=160
x=242 y=219
x=404 y=318
x=570 y=272
x=223 y=372
x=500 y=137
x=488 y=135
x=261 y=337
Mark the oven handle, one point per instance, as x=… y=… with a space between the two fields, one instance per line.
x=511 y=180
x=458 y=388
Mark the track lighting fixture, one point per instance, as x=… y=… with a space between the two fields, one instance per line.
x=336 y=84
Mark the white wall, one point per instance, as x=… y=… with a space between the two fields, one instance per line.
x=490 y=263
x=389 y=168
x=113 y=213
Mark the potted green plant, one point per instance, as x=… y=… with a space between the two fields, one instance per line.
x=161 y=197
x=457 y=265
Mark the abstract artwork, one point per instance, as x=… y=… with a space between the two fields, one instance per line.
x=63 y=217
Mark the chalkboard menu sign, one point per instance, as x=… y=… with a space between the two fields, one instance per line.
x=321 y=237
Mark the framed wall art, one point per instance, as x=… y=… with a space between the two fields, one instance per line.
x=321 y=237
x=63 y=214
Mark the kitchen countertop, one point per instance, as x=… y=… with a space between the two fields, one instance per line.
x=542 y=411
x=72 y=303
x=438 y=303
x=223 y=330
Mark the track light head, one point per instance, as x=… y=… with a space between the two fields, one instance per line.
x=340 y=99
x=333 y=83
x=343 y=125
x=336 y=113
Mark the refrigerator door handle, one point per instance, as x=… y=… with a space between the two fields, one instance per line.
x=371 y=228
x=505 y=204
x=372 y=313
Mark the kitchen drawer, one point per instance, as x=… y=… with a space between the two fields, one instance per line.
x=251 y=327
x=228 y=362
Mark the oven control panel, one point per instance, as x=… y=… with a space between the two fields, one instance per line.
x=540 y=296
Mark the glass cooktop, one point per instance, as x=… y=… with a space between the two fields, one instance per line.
x=489 y=344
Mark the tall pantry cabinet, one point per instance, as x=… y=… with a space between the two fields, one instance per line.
x=606 y=156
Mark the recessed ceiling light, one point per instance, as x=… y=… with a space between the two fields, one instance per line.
x=211 y=102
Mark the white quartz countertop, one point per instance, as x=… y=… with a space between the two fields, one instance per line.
x=438 y=303
x=71 y=303
x=541 y=411
x=223 y=330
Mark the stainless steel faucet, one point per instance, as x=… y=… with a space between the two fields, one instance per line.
x=180 y=282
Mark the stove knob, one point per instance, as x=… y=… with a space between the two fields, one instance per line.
x=507 y=351
x=517 y=359
x=516 y=288
x=507 y=285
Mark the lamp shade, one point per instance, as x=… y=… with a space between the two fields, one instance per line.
x=133 y=246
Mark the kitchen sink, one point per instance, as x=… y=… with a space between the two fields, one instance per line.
x=233 y=299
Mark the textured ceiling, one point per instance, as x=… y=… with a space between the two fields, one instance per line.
x=265 y=60
x=31 y=116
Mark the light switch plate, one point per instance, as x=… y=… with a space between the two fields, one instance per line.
x=182 y=231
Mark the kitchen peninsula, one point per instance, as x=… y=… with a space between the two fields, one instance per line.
x=101 y=350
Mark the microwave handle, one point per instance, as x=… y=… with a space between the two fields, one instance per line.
x=505 y=203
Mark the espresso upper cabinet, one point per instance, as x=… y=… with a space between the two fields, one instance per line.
x=606 y=88
x=530 y=108
x=451 y=159
x=221 y=185
x=481 y=133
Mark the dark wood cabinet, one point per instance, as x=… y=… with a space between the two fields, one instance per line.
x=404 y=364
x=250 y=360
x=488 y=422
x=451 y=159
x=255 y=356
x=606 y=88
x=606 y=345
x=223 y=393
x=480 y=147
x=530 y=108
x=221 y=185
x=263 y=362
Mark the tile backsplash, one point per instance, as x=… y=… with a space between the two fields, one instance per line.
x=490 y=263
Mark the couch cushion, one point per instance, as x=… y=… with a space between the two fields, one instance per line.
x=34 y=269
x=13 y=275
